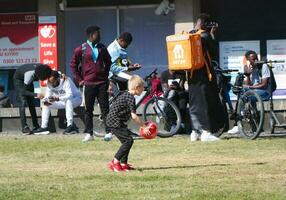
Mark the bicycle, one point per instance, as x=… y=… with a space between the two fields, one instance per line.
x=158 y=109
x=249 y=108
x=273 y=119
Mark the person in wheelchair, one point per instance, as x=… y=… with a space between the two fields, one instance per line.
x=120 y=60
x=257 y=78
x=173 y=87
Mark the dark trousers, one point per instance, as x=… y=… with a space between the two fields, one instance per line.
x=124 y=136
x=24 y=101
x=90 y=93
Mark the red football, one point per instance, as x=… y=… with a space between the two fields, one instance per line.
x=152 y=128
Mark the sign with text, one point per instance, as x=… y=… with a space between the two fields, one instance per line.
x=231 y=54
x=48 y=44
x=276 y=50
x=18 y=39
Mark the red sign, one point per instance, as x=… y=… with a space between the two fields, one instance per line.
x=48 y=45
x=18 y=39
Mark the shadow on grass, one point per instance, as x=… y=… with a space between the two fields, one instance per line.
x=264 y=135
x=197 y=166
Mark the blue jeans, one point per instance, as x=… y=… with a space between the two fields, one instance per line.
x=264 y=94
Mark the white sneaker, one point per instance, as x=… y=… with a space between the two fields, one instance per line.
x=233 y=131
x=88 y=138
x=194 y=136
x=108 y=137
x=173 y=128
x=208 y=137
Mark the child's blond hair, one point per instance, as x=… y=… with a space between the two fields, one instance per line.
x=134 y=82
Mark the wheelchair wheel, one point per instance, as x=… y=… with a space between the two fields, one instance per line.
x=250 y=113
x=272 y=123
x=165 y=114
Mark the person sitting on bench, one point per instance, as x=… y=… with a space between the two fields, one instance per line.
x=61 y=93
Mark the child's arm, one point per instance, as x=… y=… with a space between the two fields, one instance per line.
x=140 y=123
x=137 y=120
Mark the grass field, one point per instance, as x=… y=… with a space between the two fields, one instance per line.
x=61 y=167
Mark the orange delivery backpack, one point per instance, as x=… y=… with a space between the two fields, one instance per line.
x=185 y=52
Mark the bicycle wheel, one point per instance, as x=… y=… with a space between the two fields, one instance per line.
x=165 y=114
x=250 y=114
x=225 y=127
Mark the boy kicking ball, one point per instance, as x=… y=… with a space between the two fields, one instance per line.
x=120 y=112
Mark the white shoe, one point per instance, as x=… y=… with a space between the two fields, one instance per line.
x=88 y=138
x=173 y=128
x=108 y=137
x=194 y=136
x=233 y=131
x=208 y=137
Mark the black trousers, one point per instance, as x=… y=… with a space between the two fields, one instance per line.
x=24 y=101
x=90 y=93
x=124 y=136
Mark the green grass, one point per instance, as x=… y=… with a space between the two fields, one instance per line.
x=58 y=167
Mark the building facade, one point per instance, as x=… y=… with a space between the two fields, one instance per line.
x=238 y=21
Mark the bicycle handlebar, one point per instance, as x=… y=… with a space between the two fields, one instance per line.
x=153 y=72
x=226 y=70
x=269 y=61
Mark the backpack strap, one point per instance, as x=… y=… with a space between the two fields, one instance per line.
x=206 y=55
x=83 y=50
x=208 y=67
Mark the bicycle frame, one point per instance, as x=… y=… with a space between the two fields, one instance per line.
x=148 y=91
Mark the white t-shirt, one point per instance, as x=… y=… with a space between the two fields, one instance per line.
x=65 y=90
x=256 y=78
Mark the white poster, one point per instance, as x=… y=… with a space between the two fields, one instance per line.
x=276 y=51
x=231 y=53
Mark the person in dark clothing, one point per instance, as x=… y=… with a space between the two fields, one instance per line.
x=173 y=86
x=24 y=77
x=4 y=100
x=95 y=63
x=121 y=111
x=206 y=110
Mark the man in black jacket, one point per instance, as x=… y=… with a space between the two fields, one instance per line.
x=24 y=77
x=205 y=105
